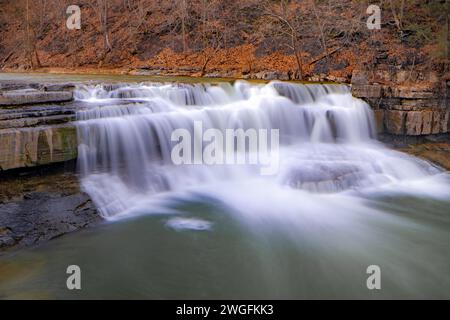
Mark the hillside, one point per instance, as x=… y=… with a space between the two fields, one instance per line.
x=307 y=39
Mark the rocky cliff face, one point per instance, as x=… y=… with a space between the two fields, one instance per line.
x=35 y=130
x=406 y=103
x=34 y=127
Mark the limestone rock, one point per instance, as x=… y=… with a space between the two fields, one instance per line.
x=270 y=75
x=32 y=96
x=379 y=120
x=395 y=121
x=427 y=122
x=359 y=78
x=37 y=146
x=411 y=92
x=445 y=122
x=414 y=123
x=436 y=124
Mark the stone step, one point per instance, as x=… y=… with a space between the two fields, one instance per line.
x=36 y=121
x=18 y=113
x=59 y=86
x=33 y=96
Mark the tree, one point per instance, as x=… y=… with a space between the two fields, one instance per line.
x=137 y=12
x=321 y=26
x=100 y=8
x=398 y=10
x=183 y=16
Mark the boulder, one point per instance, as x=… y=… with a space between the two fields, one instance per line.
x=69 y=86
x=36 y=121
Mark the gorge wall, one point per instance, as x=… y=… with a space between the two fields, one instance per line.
x=35 y=125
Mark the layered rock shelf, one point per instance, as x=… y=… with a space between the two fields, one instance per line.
x=33 y=96
x=35 y=125
x=418 y=109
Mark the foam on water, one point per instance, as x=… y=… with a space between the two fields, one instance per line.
x=180 y=224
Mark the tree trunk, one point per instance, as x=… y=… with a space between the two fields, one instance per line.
x=183 y=24
x=28 y=44
x=108 y=46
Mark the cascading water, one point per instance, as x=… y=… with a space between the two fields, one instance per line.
x=327 y=141
x=339 y=201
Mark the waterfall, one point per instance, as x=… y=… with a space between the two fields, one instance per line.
x=327 y=141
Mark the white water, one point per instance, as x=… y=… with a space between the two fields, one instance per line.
x=330 y=159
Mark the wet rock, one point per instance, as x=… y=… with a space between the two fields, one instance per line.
x=39 y=205
x=42 y=216
x=417 y=104
x=414 y=102
x=36 y=121
x=412 y=92
x=427 y=118
x=33 y=96
x=436 y=152
x=323 y=178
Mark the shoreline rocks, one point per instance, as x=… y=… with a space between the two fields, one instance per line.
x=40 y=205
